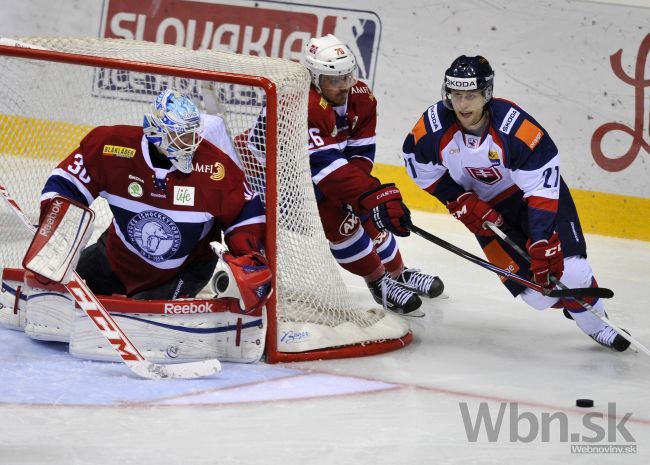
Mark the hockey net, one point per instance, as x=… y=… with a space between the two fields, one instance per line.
x=54 y=90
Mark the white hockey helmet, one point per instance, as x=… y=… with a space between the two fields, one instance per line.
x=175 y=127
x=328 y=56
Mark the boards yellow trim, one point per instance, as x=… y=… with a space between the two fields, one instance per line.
x=600 y=213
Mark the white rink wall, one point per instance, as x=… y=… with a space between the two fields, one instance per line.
x=550 y=57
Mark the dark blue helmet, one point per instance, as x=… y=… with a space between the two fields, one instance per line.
x=468 y=73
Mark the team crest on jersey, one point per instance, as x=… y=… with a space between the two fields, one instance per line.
x=493 y=156
x=154 y=235
x=323 y=103
x=380 y=238
x=348 y=225
x=117 y=151
x=489 y=175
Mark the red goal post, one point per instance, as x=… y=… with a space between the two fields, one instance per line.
x=54 y=90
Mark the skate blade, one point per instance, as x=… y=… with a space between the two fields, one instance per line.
x=413 y=314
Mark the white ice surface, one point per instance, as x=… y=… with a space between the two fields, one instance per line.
x=478 y=346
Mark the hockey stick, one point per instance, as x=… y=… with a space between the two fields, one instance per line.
x=505 y=238
x=105 y=323
x=577 y=292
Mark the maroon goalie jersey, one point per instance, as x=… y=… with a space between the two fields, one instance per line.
x=162 y=218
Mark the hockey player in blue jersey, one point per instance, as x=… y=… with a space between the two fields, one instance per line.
x=488 y=160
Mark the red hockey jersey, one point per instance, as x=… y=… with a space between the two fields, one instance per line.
x=342 y=144
x=162 y=218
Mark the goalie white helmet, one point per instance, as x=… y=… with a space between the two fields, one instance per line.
x=175 y=127
x=329 y=56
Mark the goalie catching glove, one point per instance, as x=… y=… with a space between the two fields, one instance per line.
x=474 y=212
x=386 y=209
x=251 y=274
x=63 y=232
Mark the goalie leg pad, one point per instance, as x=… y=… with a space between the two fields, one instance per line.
x=13 y=299
x=176 y=331
x=49 y=312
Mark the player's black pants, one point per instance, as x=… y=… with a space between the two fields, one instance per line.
x=95 y=269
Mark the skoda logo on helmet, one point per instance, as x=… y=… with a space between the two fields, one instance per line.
x=461 y=83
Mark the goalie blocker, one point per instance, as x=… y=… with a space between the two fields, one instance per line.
x=164 y=330
x=63 y=232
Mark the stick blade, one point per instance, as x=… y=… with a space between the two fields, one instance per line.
x=189 y=370
x=600 y=292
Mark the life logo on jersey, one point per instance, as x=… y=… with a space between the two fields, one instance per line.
x=155 y=235
x=184 y=196
x=262 y=28
x=489 y=175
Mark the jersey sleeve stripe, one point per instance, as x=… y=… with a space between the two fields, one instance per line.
x=62 y=177
x=254 y=220
x=337 y=146
x=138 y=207
x=364 y=141
x=361 y=150
x=543 y=203
x=330 y=168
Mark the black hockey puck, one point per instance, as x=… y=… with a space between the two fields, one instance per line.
x=584 y=403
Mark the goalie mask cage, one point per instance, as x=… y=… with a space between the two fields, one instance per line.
x=54 y=90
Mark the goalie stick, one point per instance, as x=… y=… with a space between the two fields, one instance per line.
x=575 y=292
x=505 y=238
x=105 y=323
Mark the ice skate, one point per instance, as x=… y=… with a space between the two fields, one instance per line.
x=422 y=283
x=392 y=295
x=607 y=337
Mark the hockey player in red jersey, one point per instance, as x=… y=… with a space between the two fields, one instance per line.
x=488 y=160
x=173 y=185
x=359 y=214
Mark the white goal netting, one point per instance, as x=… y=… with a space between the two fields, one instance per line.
x=46 y=108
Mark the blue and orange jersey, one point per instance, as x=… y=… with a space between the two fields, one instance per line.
x=514 y=153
